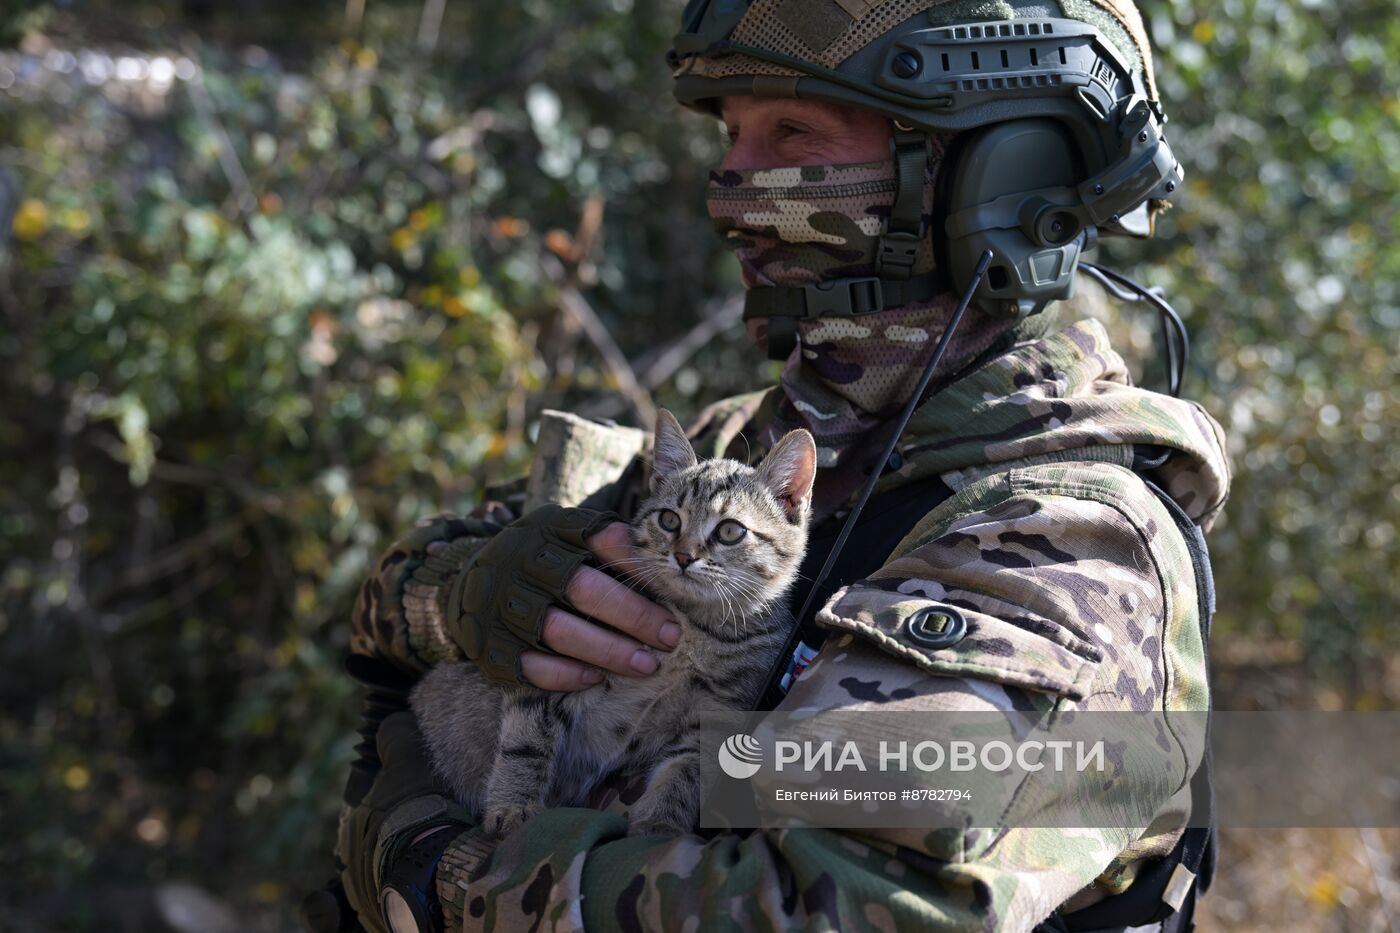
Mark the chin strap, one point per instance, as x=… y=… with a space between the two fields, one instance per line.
x=894 y=283
x=784 y=306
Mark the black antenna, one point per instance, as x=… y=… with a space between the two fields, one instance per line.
x=775 y=676
x=1125 y=289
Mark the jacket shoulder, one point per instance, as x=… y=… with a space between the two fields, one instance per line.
x=1066 y=579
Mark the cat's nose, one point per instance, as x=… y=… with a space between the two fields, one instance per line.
x=683 y=559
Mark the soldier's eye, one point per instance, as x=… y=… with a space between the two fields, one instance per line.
x=730 y=532
x=668 y=520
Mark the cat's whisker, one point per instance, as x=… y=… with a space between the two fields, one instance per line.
x=732 y=613
x=632 y=585
x=650 y=570
x=620 y=561
x=749 y=583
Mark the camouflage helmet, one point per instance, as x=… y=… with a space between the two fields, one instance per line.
x=1072 y=77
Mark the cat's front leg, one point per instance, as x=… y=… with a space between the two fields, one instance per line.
x=531 y=733
x=671 y=803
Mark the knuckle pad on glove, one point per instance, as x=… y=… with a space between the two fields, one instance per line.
x=498 y=610
x=480 y=586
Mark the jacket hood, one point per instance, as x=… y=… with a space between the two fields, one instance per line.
x=1067 y=396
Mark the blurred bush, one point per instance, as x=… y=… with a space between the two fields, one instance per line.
x=1283 y=254
x=276 y=285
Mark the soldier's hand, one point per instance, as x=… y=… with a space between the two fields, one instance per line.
x=402 y=806
x=519 y=610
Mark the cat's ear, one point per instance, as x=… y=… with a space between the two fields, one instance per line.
x=789 y=471
x=671 y=452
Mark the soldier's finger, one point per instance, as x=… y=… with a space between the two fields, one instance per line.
x=609 y=600
x=550 y=672
x=589 y=642
x=613 y=548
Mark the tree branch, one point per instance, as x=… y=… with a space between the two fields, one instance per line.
x=573 y=303
x=228 y=155
x=717 y=317
x=430 y=24
x=354 y=15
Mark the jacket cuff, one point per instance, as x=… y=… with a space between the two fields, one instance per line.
x=425 y=597
x=459 y=864
x=397 y=616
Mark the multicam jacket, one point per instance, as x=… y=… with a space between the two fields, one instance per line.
x=1079 y=594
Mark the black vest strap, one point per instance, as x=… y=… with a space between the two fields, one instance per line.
x=887 y=518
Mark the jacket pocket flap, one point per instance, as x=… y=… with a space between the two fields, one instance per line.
x=953 y=639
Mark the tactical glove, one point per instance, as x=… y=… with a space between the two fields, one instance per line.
x=401 y=804
x=495 y=609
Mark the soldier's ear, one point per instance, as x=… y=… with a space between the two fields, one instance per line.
x=789 y=471
x=672 y=452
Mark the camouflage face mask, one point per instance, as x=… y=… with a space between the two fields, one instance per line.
x=804 y=224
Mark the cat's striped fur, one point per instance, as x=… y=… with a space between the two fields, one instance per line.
x=506 y=753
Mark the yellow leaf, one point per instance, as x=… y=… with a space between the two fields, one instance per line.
x=1325 y=891
x=31 y=220
x=76 y=777
x=452 y=306
x=76 y=221
x=1203 y=31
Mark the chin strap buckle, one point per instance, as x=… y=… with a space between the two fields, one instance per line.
x=783 y=306
x=899 y=244
x=844 y=297
x=896 y=255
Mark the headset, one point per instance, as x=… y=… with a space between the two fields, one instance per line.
x=1057 y=144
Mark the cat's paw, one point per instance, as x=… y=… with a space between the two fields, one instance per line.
x=504 y=820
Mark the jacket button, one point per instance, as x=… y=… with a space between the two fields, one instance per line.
x=935 y=627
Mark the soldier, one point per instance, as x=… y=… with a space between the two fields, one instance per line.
x=879 y=147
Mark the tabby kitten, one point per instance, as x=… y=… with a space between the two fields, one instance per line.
x=719 y=543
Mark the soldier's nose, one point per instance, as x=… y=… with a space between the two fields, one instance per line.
x=683 y=560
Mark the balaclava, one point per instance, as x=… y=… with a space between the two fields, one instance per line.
x=849 y=375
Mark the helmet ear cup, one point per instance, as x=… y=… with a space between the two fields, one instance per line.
x=1011 y=188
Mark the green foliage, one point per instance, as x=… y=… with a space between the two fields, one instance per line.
x=217 y=404
x=1283 y=253
x=260 y=314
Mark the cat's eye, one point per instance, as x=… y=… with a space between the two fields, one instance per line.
x=668 y=520
x=730 y=532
